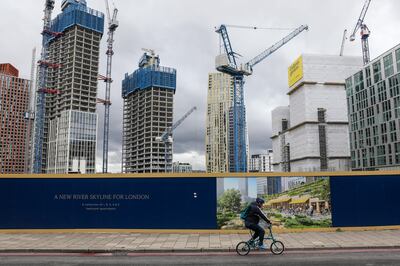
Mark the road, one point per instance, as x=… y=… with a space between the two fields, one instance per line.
x=365 y=257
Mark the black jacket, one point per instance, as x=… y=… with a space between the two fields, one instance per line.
x=255 y=214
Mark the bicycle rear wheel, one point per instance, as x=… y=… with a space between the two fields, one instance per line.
x=277 y=247
x=242 y=248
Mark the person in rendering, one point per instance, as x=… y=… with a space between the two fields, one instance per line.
x=253 y=218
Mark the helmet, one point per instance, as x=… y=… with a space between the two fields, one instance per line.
x=260 y=201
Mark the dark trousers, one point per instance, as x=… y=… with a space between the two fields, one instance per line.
x=258 y=231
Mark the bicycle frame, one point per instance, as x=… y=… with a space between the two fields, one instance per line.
x=270 y=236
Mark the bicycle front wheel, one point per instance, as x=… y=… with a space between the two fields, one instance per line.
x=277 y=247
x=243 y=248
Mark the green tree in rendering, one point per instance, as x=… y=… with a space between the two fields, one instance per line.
x=230 y=201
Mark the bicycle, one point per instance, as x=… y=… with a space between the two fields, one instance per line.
x=243 y=248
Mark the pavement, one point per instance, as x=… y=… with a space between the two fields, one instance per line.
x=188 y=242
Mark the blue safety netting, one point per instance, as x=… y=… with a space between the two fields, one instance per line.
x=152 y=76
x=78 y=14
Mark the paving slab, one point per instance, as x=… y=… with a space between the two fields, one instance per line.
x=158 y=242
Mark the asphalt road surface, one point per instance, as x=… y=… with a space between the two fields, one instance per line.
x=366 y=257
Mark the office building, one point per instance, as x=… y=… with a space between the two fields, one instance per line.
x=148 y=95
x=311 y=134
x=70 y=129
x=14 y=104
x=373 y=99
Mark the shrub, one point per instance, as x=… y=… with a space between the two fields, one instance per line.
x=289 y=223
x=224 y=217
x=305 y=221
x=276 y=215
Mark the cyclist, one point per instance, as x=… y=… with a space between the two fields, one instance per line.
x=253 y=218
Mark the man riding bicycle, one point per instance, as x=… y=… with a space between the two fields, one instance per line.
x=252 y=219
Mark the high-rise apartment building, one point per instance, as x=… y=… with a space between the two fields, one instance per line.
x=14 y=104
x=311 y=134
x=178 y=167
x=373 y=99
x=70 y=130
x=148 y=95
x=219 y=103
x=262 y=162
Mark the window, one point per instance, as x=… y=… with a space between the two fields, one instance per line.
x=398 y=59
x=376 y=67
x=388 y=65
x=358 y=81
x=396 y=101
x=368 y=76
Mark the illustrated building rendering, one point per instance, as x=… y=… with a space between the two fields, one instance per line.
x=148 y=95
x=373 y=99
x=311 y=134
x=70 y=129
x=219 y=103
x=260 y=163
x=14 y=103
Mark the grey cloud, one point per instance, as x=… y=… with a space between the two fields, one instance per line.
x=182 y=32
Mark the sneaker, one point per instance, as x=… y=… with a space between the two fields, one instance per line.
x=262 y=247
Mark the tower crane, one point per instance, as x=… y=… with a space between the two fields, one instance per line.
x=112 y=26
x=29 y=115
x=167 y=139
x=365 y=32
x=226 y=63
x=41 y=92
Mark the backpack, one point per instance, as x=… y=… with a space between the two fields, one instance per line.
x=245 y=212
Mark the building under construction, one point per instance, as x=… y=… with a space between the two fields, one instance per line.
x=148 y=95
x=14 y=103
x=311 y=134
x=70 y=124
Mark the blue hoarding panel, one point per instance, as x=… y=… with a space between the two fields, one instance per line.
x=145 y=203
x=365 y=200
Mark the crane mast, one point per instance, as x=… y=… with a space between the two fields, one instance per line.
x=112 y=26
x=29 y=115
x=365 y=32
x=343 y=41
x=166 y=137
x=226 y=63
x=41 y=92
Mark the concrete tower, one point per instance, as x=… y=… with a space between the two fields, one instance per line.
x=71 y=121
x=148 y=95
x=312 y=133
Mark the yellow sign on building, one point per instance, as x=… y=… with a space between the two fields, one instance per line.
x=295 y=71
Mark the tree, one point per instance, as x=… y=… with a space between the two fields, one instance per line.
x=230 y=201
x=326 y=190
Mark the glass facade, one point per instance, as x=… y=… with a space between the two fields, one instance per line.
x=374 y=113
x=72 y=145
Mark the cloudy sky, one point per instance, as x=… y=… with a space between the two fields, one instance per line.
x=182 y=33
